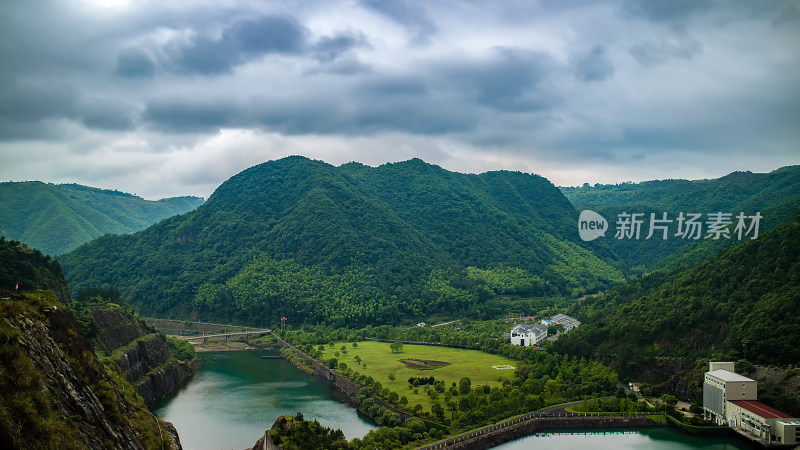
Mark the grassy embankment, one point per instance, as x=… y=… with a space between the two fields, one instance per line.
x=378 y=361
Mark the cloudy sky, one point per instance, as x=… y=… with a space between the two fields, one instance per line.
x=171 y=97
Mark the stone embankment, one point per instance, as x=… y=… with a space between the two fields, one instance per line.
x=342 y=384
x=511 y=429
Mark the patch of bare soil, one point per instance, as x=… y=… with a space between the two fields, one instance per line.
x=424 y=364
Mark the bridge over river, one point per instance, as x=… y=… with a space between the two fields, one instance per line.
x=226 y=336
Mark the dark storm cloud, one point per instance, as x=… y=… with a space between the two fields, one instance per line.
x=329 y=48
x=594 y=65
x=251 y=39
x=134 y=62
x=244 y=41
x=509 y=79
x=195 y=115
x=407 y=13
x=33 y=102
x=407 y=115
x=191 y=82
x=671 y=12
x=26 y=106
x=270 y=34
x=394 y=86
x=106 y=113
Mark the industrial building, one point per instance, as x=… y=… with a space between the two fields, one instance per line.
x=732 y=399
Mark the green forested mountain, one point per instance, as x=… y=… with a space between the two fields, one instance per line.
x=776 y=195
x=742 y=303
x=24 y=269
x=351 y=245
x=57 y=218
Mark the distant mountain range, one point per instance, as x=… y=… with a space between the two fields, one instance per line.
x=775 y=195
x=352 y=245
x=56 y=218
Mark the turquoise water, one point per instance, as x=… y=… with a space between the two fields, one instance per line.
x=231 y=401
x=650 y=438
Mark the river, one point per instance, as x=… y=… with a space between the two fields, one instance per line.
x=231 y=401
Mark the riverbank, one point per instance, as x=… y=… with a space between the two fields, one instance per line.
x=226 y=347
x=230 y=401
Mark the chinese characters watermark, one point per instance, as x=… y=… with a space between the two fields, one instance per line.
x=692 y=226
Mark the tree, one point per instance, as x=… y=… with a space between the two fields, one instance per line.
x=437 y=411
x=555 y=329
x=396 y=347
x=392 y=376
x=669 y=399
x=464 y=386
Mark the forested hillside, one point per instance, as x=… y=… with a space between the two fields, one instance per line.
x=57 y=218
x=775 y=195
x=352 y=245
x=743 y=303
x=25 y=269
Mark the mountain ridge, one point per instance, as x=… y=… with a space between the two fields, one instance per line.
x=775 y=194
x=56 y=218
x=388 y=229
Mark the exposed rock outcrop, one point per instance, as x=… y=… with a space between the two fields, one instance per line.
x=142 y=355
x=55 y=393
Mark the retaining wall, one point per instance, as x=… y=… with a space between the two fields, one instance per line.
x=511 y=429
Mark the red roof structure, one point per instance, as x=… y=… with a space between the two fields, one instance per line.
x=761 y=409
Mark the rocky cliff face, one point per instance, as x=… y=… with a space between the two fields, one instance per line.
x=141 y=355
x=116 y=328
x=54 y=393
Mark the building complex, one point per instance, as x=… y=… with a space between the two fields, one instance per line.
x=732 y=399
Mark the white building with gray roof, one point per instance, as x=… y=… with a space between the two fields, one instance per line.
x=526 y=335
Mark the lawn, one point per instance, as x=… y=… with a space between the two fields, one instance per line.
x=381 y=362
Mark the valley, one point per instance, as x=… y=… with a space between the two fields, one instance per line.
x=402 y=283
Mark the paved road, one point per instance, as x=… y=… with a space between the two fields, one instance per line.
x=558 y=409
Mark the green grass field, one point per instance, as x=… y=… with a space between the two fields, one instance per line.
x=381 y=362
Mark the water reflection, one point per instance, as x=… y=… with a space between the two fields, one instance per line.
x=231 y=401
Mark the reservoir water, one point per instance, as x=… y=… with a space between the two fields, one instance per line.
x=647 y=438
x=231 y=401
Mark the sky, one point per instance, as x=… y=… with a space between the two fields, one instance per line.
x=171 y=97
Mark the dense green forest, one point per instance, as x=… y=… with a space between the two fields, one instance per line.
x=25 y=270
x=743 y=303
x=57 y=218
x=352 y=245
x=776 y=195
